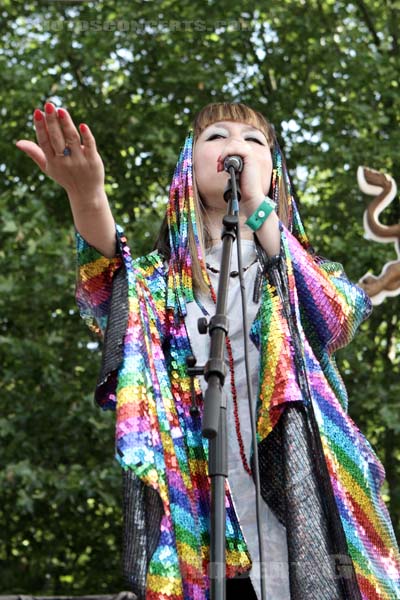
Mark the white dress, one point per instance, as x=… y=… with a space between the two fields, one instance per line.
x=242 y=486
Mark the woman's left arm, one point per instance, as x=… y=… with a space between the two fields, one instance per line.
x=332 y=306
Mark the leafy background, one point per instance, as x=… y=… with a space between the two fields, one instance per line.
x=326 y=73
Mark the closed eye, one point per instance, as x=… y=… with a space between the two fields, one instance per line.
x=253 y=139
x=214 y=136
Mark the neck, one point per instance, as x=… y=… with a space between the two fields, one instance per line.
x=213 y=219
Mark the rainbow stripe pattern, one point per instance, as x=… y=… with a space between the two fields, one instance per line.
x=161 y=442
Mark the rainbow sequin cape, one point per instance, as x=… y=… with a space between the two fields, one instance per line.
x=160 y=443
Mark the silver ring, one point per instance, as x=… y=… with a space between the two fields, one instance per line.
x=66 y=152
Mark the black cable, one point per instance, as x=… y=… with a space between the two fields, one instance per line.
x=252 y=415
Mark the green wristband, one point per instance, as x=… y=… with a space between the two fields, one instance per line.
x=261 y=214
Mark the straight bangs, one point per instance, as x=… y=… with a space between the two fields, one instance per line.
x=224 y=111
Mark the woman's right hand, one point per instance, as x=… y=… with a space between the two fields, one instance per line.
x=77 y=166
x=81 y=173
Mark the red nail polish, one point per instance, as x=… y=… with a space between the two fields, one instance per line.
x=49 y=108
x=37 y=115
x=83 y=128
x=61 y=113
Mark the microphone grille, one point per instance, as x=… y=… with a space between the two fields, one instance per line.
x=233 y=161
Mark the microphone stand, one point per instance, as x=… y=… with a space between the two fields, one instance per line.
x=214 y=425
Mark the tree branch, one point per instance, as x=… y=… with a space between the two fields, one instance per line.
x=323 y=16
x=393 y=25
x=268 y=84
x=368 y=22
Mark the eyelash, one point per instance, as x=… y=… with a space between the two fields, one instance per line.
x=256 y=140
x=214 y=136
x=218 y=135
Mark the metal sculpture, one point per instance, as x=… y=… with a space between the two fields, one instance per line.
x=384 y=189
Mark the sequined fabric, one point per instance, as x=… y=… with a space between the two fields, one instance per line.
x=142 y=510
x=159 y=440
x=321 y=568
x=94 y=289
x=317 y=298
x=308 y=310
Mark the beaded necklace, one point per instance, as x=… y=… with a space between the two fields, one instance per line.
x=232 y=273
x=245 y=463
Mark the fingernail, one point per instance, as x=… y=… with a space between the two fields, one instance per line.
x=61 y=113
x=49 y=108
x=37 y=115
x=83 y=128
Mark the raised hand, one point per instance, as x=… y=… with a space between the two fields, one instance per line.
x=61 y=154
x=69 y=156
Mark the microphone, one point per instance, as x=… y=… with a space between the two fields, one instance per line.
x=233 y=161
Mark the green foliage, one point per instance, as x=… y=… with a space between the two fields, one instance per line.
x=326 y=73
